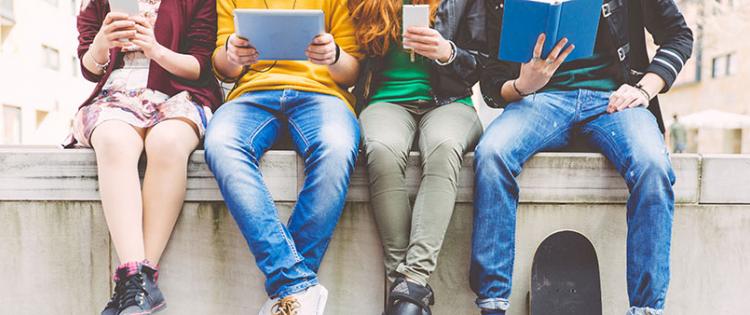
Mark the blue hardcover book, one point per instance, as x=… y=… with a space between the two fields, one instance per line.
x=524 y=20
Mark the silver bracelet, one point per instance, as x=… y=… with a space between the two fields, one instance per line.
x=101 y=67
x=454 y=52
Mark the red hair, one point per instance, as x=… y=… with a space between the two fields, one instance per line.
x=378 y=22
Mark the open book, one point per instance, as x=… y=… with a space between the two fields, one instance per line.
x=524 y=20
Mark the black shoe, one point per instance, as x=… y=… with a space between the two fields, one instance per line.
x=407 y=298
x=141 y=295
x=113 y=306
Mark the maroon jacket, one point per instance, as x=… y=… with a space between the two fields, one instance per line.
x=183 y=26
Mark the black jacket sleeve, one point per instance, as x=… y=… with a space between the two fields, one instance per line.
x=494 y=72
x=470 y=40
x=671 y=33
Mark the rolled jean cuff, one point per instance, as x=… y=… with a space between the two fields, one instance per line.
x=296 y=288
x=493 y=304
x=644 y=311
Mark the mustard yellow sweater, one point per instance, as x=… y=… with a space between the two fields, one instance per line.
x=299 y=75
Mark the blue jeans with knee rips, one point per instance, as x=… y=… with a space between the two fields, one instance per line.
x=325 y=134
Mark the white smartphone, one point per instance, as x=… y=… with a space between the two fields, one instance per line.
x=416 y=15
x=129 y=7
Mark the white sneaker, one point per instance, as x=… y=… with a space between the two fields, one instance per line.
x=309 y=302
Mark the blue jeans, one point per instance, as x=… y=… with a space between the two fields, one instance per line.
x=325 y=134
x=630 y=139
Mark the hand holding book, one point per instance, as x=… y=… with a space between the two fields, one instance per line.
x=536 y=73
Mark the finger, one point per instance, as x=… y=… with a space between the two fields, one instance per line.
x=563 y=56
x=120 y=35
x=114 y=16
x=323 y=39
x=626 y=101
x=319 y=56
x=239 y=42
x=141 y=21
x=420 y=30
x=321 y=49
x=430 y=40
x=244 y=52
x=556 y=50
x=120 y=25
x=636 y=102
x=142 y=30
x=539 y=45
x=422 y=47
x=611 y=107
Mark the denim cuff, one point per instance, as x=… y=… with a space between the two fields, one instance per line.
x=644 y=311
x=296 y=288
x=493 y=304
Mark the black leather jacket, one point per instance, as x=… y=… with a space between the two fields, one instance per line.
x=626 y=20
x=461 y=21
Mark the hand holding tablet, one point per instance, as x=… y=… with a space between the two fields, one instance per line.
x=283 y=34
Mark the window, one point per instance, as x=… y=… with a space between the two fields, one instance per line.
x=51 y=57
x=74 y=66
x=11 y=125
x=724 y=65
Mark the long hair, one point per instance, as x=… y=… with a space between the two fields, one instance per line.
x=378 y=22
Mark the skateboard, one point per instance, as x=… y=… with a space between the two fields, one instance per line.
x=565 y=277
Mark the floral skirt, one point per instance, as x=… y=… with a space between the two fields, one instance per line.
x=141 y=108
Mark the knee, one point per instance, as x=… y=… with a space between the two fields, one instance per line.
x=219 y=142
x=111 y=147
x=382 y=157
x=651 y=169
x=336 y=147
x=492 y=152
x=168 y=149
x=445 y=158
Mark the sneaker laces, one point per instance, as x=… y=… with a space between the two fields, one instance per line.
x=133 y=291
x=286 y=306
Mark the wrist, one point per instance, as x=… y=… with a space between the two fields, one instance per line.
x=521 y=88
x=448 y=55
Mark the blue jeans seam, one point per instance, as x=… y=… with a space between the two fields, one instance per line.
x=301 y=135
x=289 y=242
x=251 y=138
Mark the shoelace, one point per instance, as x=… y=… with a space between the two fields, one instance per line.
x=114 y=301
x=133 y=291
x=286 y=306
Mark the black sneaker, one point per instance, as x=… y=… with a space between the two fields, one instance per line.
x=141 y=295
x=113 y=306
x=408 y=298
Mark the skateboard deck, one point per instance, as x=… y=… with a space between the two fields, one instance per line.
x=565 y=277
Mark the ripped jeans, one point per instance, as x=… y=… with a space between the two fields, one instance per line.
x=630 y=139
x=325 y=134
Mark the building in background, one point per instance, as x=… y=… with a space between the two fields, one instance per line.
x=40 y=82
x=712 y=95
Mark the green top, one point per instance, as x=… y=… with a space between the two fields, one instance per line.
x=592 y=73
x=404 y=81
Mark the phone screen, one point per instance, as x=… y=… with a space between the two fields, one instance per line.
x=129 y=7
x=416 y=15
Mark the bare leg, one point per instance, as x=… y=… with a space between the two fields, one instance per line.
x=168 y=147
x=118 y=147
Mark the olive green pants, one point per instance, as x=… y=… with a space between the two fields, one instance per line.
x=412 y=237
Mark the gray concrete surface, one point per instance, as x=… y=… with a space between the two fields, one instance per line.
x=57 y=255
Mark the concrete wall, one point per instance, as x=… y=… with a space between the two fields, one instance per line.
x=57 y=256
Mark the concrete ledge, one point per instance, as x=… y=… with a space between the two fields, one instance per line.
x=53 y=235
x=50 y=174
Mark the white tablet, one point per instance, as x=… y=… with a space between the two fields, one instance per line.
x=279 y=34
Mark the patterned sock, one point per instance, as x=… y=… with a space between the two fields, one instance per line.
x=126 y=270
x=152 y=266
